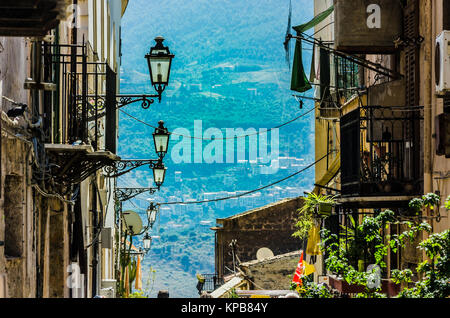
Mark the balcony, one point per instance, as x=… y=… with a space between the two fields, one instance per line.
x=71 y=164
x=30 y=17
x=209 y=283
x=80 y=133
x=380 y=152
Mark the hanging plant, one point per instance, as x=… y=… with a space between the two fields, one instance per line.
x=314 y=206
x=325 y=208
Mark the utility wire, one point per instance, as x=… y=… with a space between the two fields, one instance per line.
x=226 y=138
x=252 y=191
x=53 y=196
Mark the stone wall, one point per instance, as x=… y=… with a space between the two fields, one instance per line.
x=17 y=257
x=274 y=273
x=271 y=226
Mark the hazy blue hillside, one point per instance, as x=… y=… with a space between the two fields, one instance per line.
x=229 y=72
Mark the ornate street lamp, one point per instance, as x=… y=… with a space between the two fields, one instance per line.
x=159 y=62
x=147 y=242
x=161 y=139
x=118 y=168
x=159 y=173
x=152 y=212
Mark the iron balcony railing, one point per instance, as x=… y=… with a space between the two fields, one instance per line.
x=381 y=149
x=78 y=104
x=210 y=283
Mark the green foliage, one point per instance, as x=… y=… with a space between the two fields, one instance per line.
x=416 y=204
x=367 y=237
x=137 y=294
x=399 y=276
x=313 y=290
x=435 y=282
x=308 y=211
x=447 y=203
x=429 y=200
x=233 y=294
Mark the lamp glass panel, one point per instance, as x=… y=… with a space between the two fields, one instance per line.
x=152 y=216
x=160 y=67
x=159 y=174
x=161 y=142
x=147 y=243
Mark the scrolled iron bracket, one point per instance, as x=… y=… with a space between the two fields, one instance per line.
x=125 y=194
x=121 y=167
x=146 y=100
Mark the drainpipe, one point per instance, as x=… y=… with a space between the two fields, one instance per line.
x=96 y=230
x=427 y=31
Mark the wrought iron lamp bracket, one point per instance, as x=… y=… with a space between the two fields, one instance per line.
x=125 y=194
x=146 y=100
x=121 y=167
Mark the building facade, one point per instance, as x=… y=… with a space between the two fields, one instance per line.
x=381 y=112
x=239 y=238
x=59 y=70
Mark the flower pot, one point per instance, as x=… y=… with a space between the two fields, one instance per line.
x=342 y=286
x=324 y=209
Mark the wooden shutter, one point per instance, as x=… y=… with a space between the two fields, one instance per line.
x=350 y=148
x=412 y=53
x=324 y=76
x=412 y=87
x=446 y=14
x=111 y=111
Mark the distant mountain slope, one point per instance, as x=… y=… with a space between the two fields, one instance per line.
x=229 y=71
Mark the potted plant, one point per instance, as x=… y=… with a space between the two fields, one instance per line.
x=314 y=206
x=325 y=208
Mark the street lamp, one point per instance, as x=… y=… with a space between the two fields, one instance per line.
x=159 y=173
x=159 y=62
x=161 y=139
x=152 y=211
x=147 y=242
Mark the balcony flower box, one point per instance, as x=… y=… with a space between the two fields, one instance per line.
x=387 y=286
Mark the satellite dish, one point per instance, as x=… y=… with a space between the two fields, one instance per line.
x=263 y=253
x=132 y=222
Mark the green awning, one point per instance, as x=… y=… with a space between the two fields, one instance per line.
x=300 y=81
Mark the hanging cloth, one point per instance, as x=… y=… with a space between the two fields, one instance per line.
x=138 y=279
x=313 y=246
x=300 y=81
x=312 y=74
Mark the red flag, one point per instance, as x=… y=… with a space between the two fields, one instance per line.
x=299 y=271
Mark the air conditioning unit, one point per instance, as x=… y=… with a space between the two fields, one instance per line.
x=442 y=63
x=443 y=135
x=107 y=238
